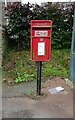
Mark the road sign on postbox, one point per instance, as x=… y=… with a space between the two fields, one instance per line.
x=41 y=40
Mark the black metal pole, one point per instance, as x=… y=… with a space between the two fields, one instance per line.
x=37 y=77
x=39 y=67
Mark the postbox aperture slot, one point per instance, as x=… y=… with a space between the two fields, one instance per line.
x=41 y=28
x=41 y=32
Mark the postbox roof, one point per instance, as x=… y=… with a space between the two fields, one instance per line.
x=41 y=23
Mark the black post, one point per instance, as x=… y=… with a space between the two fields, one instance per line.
x=39 y=67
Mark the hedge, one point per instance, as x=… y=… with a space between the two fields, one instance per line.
x=20 y=15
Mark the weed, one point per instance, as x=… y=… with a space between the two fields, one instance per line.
x=23 y=77
x=31 y=92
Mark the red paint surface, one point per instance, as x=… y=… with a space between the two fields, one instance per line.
x=44 y=26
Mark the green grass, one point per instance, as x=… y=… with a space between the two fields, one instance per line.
x=58 y=65
x=18 y=65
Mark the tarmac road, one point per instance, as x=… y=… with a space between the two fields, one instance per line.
x=58 y=105
x=23 y=108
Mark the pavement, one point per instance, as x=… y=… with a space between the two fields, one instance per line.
x=15 y=104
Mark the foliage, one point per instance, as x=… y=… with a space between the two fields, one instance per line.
x=59 y=64
x=18 y=66
x=23 y=77
x=18 y=28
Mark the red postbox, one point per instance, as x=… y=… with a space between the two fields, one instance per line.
x=41 y=40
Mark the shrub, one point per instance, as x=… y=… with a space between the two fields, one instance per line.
x=18 y=28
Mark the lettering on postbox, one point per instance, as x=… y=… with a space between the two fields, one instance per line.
x=41 y=33
x=41 y=40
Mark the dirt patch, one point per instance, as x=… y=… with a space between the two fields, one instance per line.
x=55 y=82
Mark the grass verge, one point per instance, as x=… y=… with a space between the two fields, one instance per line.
x=18 y=67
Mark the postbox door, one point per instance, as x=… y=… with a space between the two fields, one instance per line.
x=41 y=49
